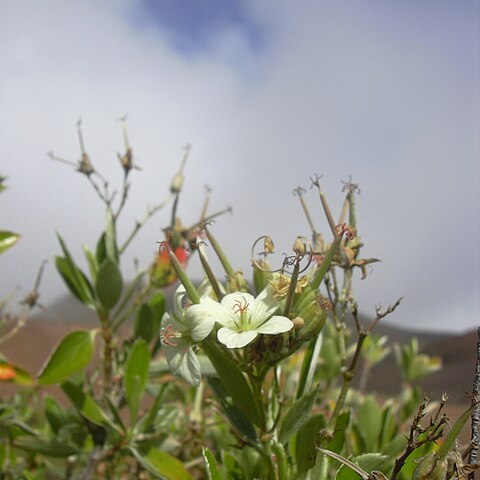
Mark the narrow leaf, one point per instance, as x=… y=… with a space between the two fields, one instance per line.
x=85 y=404
x=7 y=240
x=236 y=417
x=297 y=415
x=325 y=265
x=235 y=383
x=111 y=249
x=162 y=464
x=51 y=448
x=136 y=372
x=210 y=465
x=309 y=365
x=72 y=354
x=91 y=261
x=80 y=290
x=144 y=326
x=76 y=276
x=454 y=432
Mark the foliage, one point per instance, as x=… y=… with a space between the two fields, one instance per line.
x=262 y=385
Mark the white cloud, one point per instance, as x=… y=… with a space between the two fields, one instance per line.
x=389 y=95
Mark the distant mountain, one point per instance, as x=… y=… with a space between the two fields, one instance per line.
x=70 y=310
x=457 y=351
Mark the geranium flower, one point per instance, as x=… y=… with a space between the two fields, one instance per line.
x=243 y=317
x=179 y=333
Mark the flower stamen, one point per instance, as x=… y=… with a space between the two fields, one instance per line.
x=167 y=333
x=239 y=307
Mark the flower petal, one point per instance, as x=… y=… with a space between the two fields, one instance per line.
x=201 y=328
x=232 y=339
x=182 y=361
x=207 y=311
x=173 y=321
x=276 y=324
x=233 y=301
x=178 y=301
x=263 y=306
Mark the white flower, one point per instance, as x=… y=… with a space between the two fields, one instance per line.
x=243 y=317
x=178 y=334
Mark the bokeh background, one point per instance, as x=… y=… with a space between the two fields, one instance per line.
x=268 y=93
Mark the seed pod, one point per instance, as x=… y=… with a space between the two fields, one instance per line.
x=313 y=327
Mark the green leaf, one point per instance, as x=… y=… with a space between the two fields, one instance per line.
x=72 y=354
x=52 y=448
x=325 y=265
x=75 y=279
x=297 y=415
x=109 y=284
x=111 y=238
x=447 y=444
x=54 y=413
x=369 y=420
x=101 y=251
x=7 y=240
x=368 y=462
x=236 y=417
x=136 y=372
x=162 y=464
x=235 y=383
x=210 y=465
x=91 y=261
x=337 y=441
x=157 y=303
x=143 y=325
x=85 y=404
x=309 y=365
x=65 y=271
x=306 y=442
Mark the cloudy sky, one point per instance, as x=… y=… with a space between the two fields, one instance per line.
x=268 y=92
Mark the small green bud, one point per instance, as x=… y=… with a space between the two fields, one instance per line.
x=260 y=276
x=237 y=283
x=313 y=327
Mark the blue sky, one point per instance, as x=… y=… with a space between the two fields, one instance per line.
x=268 y=93
x=192 y=26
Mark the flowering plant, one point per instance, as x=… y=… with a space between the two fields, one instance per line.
x=238 y=380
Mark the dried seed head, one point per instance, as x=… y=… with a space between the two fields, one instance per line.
x=299 y=247
x=268 y=245
x=280 y=284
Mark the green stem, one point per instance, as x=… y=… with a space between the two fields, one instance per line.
x=107 y=357
x=183 y=277
x=291 y=288
x=227 y=266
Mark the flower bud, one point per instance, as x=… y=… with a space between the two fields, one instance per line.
x=237 y=283
x=298 y=323
x=177 y=183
